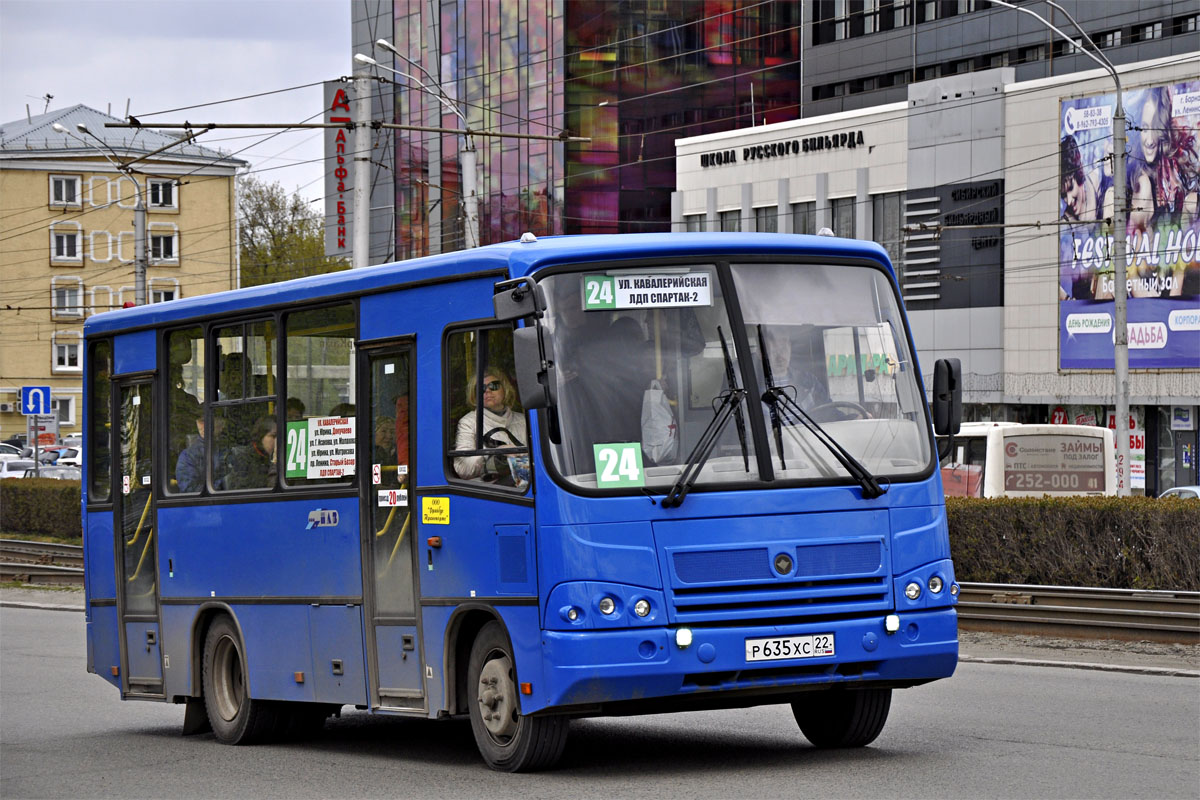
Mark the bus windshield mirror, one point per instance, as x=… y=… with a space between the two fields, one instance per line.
x=729 y=405
x=780 y=401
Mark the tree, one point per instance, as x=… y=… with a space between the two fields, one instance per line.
x=279 y=236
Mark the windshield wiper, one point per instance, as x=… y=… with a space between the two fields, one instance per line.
x=791 y=411
x=730 y=405
x=776 y=425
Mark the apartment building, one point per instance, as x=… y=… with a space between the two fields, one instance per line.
x=67 y=244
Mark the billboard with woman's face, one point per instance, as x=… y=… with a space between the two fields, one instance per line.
x=1162 y=234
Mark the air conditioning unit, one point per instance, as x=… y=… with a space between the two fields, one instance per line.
x=7 y=408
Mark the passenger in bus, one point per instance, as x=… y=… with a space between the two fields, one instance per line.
x=502 y=427
x=189 y=468
x=342 y=410
x=295 y=409
x=252 y=466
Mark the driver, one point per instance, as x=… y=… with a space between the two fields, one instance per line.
x=502 y=427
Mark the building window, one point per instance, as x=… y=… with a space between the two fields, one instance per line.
x=804 y=218
x=842 y=209
x=66 y=297
x=1035 y=53
x=66 y=347
x=64 y=408
x=1182 y=25
x=693 y=223
x=164 y=244
x=929 y=73
x=1147 y=32
x=888 y=221
x=66 y=242
x=766 y=219
x=163 y=290
x=162 y=193
x=64 y=191
x=1108 y=39
x=731 y=221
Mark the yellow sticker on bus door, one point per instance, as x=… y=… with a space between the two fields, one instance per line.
x=435 y=510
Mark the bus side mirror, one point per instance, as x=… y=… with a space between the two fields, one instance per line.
x=535 y=374
x=947 y=396
x=516 y=299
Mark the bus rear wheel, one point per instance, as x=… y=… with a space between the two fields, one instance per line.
x=507 y=740
x=236 y=718
x=843 y=718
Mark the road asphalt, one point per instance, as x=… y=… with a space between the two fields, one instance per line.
x=1147 y=658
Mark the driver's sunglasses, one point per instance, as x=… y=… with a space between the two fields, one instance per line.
x=492 y=386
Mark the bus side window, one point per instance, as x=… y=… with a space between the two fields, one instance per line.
x=185 y=418
x=487 y=436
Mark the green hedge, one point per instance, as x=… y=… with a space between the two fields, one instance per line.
x=40 y=505
x=1110 y=542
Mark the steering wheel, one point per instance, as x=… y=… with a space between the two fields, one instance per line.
x=840 y=407
x=490 y=440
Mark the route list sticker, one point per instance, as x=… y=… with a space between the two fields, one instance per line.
x=653 y=290
x=320 y=447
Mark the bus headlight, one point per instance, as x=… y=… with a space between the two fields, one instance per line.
x=913 y=590
x=935 y=584
x=607 y=606
x=641 y=608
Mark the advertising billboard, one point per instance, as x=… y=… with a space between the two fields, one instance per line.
x=1162 y=235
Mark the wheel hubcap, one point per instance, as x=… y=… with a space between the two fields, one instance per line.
x=497 y=695
x=228 y=685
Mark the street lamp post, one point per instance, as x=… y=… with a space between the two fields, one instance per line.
x=467 y=154
x=1121 y=333
x=139 y=212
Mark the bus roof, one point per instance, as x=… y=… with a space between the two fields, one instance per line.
x=516 y=257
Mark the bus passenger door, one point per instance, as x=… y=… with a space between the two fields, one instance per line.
x=137 y=543
x=393 y=628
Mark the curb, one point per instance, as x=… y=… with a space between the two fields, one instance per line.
x=1169 y=672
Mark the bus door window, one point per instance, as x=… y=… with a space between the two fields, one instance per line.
x=242 y=451
x=100 y=434
x=185 y=419
x=317 y=446
x=391 y=542
x=137 y=515
x=487 y=438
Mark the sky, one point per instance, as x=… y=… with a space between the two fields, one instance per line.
x=166 y=54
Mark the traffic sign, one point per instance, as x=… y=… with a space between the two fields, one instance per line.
x=35 y=400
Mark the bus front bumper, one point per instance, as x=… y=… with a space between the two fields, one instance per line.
x=594 y=671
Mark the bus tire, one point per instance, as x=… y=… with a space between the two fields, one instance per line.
x=236 y=718
x=842 y=718
x=507 y=740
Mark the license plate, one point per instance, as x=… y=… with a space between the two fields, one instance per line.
x=779 y=648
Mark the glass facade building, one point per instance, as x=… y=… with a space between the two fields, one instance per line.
x=631 y=76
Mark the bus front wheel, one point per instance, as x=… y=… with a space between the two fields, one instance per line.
x=843 y=718
x=235 y=717
x=508 y=740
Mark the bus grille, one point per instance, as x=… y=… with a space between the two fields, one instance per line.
x=739 y=585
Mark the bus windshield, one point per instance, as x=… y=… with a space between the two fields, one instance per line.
x=647 y=359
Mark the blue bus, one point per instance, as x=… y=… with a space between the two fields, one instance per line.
x=536 y=481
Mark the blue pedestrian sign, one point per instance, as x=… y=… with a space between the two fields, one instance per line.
x=35 y=400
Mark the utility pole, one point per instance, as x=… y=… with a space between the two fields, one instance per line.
x=139 y=245
x=1120 y=294
x=362 y=168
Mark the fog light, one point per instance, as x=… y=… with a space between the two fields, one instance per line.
x=912 y=591
x=891 y=623
x=607 y=606
x=683 y=637
x=935 y=584
x=641 y=608
x=954 y=589
x=572 y=614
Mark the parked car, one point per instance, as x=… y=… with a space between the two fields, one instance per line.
x=73 y=440
x=56 y=472
x=1184 y=492
x=17 y=441
x=66 y=457
x=15 y=467
x=9 y=449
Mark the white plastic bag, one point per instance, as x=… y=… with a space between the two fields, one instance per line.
x=660 y=434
